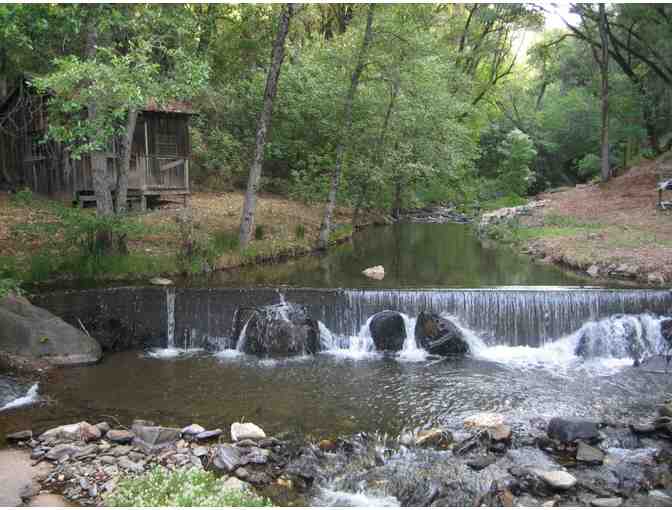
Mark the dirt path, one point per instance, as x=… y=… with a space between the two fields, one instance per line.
x=18 y=481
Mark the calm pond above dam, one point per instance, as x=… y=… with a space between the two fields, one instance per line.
x=413 y=255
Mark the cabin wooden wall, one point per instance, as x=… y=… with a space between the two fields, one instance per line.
x=160 y=151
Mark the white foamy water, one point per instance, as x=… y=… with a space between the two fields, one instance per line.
x=334 y=498
x=410 y=350
x=171 y=352
x=30 y=397
x=607 y=346
x=229 y=353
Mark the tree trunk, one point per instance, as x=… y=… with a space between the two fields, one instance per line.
x=101 y=183
x=125 y=148
x=325 y=228
x=4 y=85
x=604 y=68
x=264 y=122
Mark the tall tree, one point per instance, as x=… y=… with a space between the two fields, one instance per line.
x=325 y=229
x=603 y=61
x=263 y=124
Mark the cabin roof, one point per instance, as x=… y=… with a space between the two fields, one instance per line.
x=174 y=106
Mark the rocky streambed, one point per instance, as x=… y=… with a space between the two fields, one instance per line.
x=489 y=460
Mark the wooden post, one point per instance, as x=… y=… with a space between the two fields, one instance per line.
x=143 y=201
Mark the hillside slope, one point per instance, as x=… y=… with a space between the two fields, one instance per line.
x=612 y=230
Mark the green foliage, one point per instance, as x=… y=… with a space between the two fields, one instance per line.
x=23 y=197
x=259 y=232
x=180 y=488
x=10 y=286
x=300 y=232
x=225 y=241
x=517 y=152
x=117 y=81
x=588 y=166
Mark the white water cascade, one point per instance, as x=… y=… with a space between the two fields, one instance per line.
x=172 y=350
x=170 y=318
x=611 y=342
x=30 y=397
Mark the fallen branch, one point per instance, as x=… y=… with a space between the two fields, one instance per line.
x=83 y=327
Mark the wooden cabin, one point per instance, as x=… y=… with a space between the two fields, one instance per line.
x=159 y=160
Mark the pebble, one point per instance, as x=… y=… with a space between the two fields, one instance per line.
x=200 y=451
x=557 y=479
x=108 y=459
x=22 y=435
x=104 y=427
x=129 y=465
x=120 y=436
x=241 y=473
x=240 y=431
x=209 y=434
x=479 y=463
x=160 y=281
x=500 y=433
x=606 y=502
x=589 y=454
x=192 y=430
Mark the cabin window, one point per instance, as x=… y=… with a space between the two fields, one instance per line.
x=166 y=137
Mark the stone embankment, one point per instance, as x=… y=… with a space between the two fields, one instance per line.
x=490 y=460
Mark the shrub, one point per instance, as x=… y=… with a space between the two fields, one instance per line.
x=300 y=232
x=9 y=286
x=589 y=166
x=23 y=197
x=259 y=232
x=180 y=488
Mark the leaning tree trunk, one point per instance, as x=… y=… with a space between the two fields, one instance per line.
x=264 y=122
x=101 y=183
x=125 y=147
x=604 y=69
x=325 y=228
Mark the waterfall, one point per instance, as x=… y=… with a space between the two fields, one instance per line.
x=27 y=399
x=512 y=316
x=170 y=318
x=240 y=343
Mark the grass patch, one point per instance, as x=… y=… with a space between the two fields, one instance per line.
x=225 y=241
x=180 y=488
x=557 y=220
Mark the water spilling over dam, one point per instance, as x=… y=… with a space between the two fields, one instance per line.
x=202 y=317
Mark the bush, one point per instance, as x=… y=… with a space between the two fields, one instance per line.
x=516 y=152
x=300 y=232
x=259 y=232
x=9 y=286
x=180 y=488
x=589 y=166
x=23 y=197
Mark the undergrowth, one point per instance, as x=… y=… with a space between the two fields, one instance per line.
x=180 y=488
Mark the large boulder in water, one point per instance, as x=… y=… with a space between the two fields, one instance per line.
x=439 y=336
x=32 y=332
x=388 y=331
x=277 y=330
